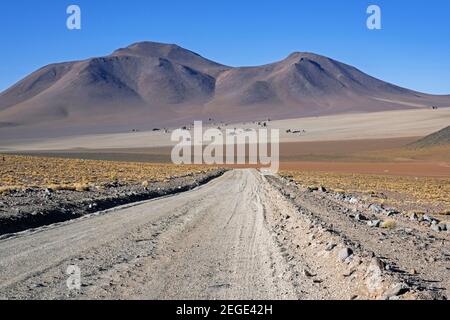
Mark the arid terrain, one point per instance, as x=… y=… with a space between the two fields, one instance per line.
x=41 y=191
x=242 y=235
x=360 y=208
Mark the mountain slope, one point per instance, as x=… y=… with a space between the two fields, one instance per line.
x=148 y=84
x=442 y=137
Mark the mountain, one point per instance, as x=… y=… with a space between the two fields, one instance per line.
x=442 y=137
x=153 y=84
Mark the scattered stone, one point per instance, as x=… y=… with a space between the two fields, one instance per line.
x=414 y=217
x=339 y=196
x=439 y=227
x=360 y=217
x=391 y=212
x=395 y=291
x=377 y=262
x=93 y=205
x=374 y=223
x=307 y=273
x=376 y=208
x=343 y=254
x=349 y=273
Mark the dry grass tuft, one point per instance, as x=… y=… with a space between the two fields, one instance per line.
x=388 y=224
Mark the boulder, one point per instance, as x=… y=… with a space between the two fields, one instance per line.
x=344 y=253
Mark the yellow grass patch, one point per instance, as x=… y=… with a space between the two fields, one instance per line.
x=74 y=174
x=388 y=224
x=415 y=189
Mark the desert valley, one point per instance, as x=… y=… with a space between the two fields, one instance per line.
x=360 y=208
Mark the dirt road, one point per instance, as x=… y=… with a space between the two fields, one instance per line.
x=237 y=237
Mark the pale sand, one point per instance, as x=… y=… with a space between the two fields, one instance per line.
x=380 y=125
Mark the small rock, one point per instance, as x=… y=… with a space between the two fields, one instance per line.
x=92 y=205
x=311 y=189
x=330 y=246
x=307 y=273
x=396 y=290
x=435 y=227
x=374 y=223
x=360 y=217
x=339 y=196
x=413 y=217
x=413 y=271
x=376 y=208
x=343 y=254
x=48 y=191
x=322 y=189
x=426 y=218
x=378 y=263
x=353 y=200
x=438 y=227
x=391 y=212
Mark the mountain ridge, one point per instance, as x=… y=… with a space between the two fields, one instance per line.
x=149 y=83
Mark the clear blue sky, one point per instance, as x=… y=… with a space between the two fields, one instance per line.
x=412 y=49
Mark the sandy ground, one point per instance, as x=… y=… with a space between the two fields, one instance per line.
x=374 y=156
x=380 y=125
x=238 y=237
x=413 y=169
